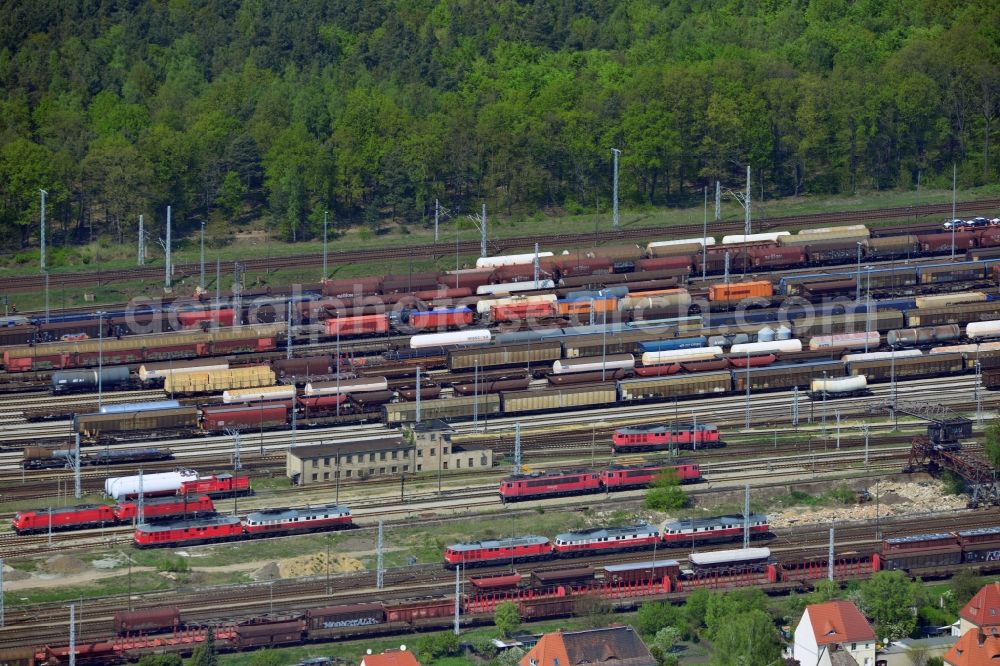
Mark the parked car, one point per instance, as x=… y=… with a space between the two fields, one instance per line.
x=953 y=224
x=995 y=222
x=976 y=222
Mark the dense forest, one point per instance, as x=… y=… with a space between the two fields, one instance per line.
x=249 y=109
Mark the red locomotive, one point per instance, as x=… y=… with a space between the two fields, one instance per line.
x=292 y=521
x=222 y=485
x=604 y=540
x=63 y=518
x=165 y=507
x=665 y=436
x=549 y=484
x=517 y=549
x=619 y=477
x=258 y=524
x=714 y=530
x=189 y=532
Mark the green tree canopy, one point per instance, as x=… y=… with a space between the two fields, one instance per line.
x=887 y=599
x=507 y=617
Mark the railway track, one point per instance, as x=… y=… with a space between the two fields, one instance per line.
x=36 y=283
x=47 y=622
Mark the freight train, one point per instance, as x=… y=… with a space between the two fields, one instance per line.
x=40 y=457
x=542 y=595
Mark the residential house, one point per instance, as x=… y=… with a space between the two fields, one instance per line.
x=982 y=611
x=617 y=646
x=834 y=634
x=401 y=657
x=976 y=647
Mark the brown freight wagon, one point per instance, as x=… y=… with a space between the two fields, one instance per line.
x=829 y=287
x=269 y=633
x=785 y=376
x=419 y=609
x=960 y=313
x=559 y=607
x=306 y=366
x=891 y=247
x=575 y=576
x=573 y=378
x=939 y=243
x=496 y=356
x=428 y=391
x=855 y=322
x=676 y=386
x=181 y=419
x=493 y=385
x=912 y=367
x=948 y=274
x=347 y=615
x=776 y=257
x=621 y=278
x=832 y=252
x=148 y=620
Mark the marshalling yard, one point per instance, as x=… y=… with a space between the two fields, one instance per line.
x=382 y=455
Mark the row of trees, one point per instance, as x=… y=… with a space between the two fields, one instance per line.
x=372 y=110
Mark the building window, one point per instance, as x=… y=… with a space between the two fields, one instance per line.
x=326 y=476
x=444 y=450
x=393 y=469
x=458 y=463
x=406 y=468
x=315 y=463
x=348 y=475
x=482 y=460
x=395 y=454
x=381 y=470
x=433 y=452
x=420 y=453
x=326 y=461
x=420 y=468
x=371 y=471
x=434 y=438
x=445 y=465
x=371 y=457
x=314 y=477
x=381 y=455
x=471 y=464
x=854 y=646
x=350 y=457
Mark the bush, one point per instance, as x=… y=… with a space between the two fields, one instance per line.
x=432 y=646
x=507 y=617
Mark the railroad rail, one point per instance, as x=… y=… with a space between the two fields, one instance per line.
x=98 y=278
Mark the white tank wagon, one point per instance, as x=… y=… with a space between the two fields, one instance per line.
x=979 y=330
x=162 y=483
x=881 y=356
x=477 y=336
x=754 y=238
x=681 y=355
x=594 y=364
x=484 y=305
x=966 y=349
x=510 y=260
x=845 y=341
x=361 y=385
x=514 y=287
x=790 y=346
x=651 y=246
x=838 y=387
x=236 y=396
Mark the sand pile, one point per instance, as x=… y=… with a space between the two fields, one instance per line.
x=64 y=564
x=12 y=574
x=269 y=571
x=895 y=499
x=314 y=565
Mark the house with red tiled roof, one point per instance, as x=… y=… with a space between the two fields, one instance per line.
x=982 y=611
x=976 y=647
x=834 y=634
x=391 y=658
x=617 y=646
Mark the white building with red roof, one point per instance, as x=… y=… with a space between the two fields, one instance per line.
x=982 y=611
x=834 y=634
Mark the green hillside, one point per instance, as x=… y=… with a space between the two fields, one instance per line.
x=236 y=112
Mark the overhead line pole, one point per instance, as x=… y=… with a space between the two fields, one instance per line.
x=41 y=234
x=614 y=195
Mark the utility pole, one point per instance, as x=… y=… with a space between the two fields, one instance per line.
x=725 y=276
x=857 y=281
x=166 y=248
x=218 y=283
x=325 y=216
x=718 y=201
x=142 y=243
x=954 y=182
x=235 y=434
x=1 y=593
x=837 y=414
x=746 y=516
x=72 y=635
x=535 y=266
x=288 y=332
x=41 y=235
x=140 y=517
x=865 y=428
x=614 y=195
x=76 y=469
x=746 y=425
x=517 y=448
x=748 y=225
x=47 y=297
x=237 y=294
x=795 y=406
x=380 y=571
x=458 y=599
x=437 y=219
x=829 y=557
x=482 y=234
x=704 y=238
x=201 y=282
x=417 y=415
x=979 y=394
x=100 y=359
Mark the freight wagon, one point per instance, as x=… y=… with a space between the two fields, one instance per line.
x=542 y=352
x=484 y=405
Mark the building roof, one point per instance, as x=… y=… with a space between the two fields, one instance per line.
x=393 y=658
x=983 y=610
x=974 y=648
x=343 y=448
x=619 y=646
x=839 y=622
